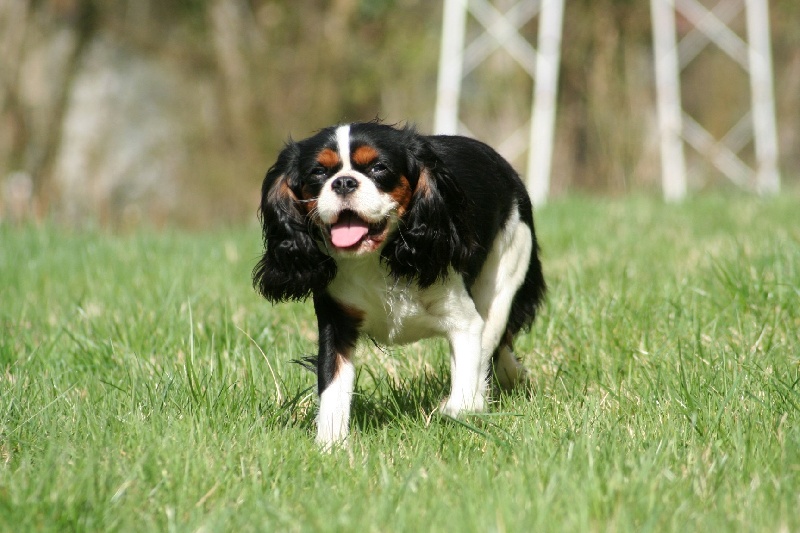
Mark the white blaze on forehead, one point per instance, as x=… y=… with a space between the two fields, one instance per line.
x=343 y=143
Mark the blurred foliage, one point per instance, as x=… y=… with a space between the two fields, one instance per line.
x=253 y=72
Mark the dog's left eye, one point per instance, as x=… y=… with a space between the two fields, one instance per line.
x=379 y=168
x=318 y=172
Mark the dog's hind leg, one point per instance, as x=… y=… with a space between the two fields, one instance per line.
x=509 y=372
x=469 y=368
x=494 y=291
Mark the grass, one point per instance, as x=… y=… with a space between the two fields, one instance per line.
x=144 y=386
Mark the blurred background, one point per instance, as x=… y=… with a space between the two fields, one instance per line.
x=170 y=112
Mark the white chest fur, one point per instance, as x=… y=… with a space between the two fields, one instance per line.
x=398 y=312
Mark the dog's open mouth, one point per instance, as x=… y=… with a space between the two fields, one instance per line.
x=350 y=231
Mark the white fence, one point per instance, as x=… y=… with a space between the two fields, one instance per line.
x=501 y=31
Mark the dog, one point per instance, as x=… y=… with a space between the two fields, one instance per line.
x=401 y=236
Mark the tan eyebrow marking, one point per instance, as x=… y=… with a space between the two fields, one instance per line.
x=328 y=158
x=364 y=155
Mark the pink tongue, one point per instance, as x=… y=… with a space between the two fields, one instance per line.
x=348 y=230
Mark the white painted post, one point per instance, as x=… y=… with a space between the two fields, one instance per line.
x=673 y=166
x=451 y=61
x=762 y=94
x=545 y=91
x=710 y=26
x=502 y=31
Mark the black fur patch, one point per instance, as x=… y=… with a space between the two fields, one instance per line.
x=293 y=266
x=338 y=333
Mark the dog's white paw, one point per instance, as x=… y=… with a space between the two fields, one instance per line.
x=328 y=443
x=457 y=405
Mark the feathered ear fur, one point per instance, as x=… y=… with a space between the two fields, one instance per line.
x=293 y=266
x=435 y=234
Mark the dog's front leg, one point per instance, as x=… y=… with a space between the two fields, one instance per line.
x=338 y=333
x=469 y=369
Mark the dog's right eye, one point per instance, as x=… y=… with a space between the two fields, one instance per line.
x=319 y=172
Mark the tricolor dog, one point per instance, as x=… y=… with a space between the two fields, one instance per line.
x=401 y=236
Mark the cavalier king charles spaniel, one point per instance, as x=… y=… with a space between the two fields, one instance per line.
x=400 y=236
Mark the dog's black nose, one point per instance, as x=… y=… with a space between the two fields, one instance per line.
x=344 y=185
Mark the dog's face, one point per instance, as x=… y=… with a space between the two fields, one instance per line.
x=353 y=186
x=355 y=190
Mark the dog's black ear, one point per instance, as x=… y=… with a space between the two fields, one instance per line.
x=435 y=233
x=292 y=266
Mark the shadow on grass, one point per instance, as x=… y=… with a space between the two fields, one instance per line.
x=406 y=401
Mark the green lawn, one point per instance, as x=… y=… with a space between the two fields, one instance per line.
x=145 y=387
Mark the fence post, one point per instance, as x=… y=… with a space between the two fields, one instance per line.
x=451 y=61
x=673 y=167
x=675 y=126
x=542 y=65
x=762 y=94
x=545 y=91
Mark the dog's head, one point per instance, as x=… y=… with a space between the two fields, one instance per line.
x=354 y=190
